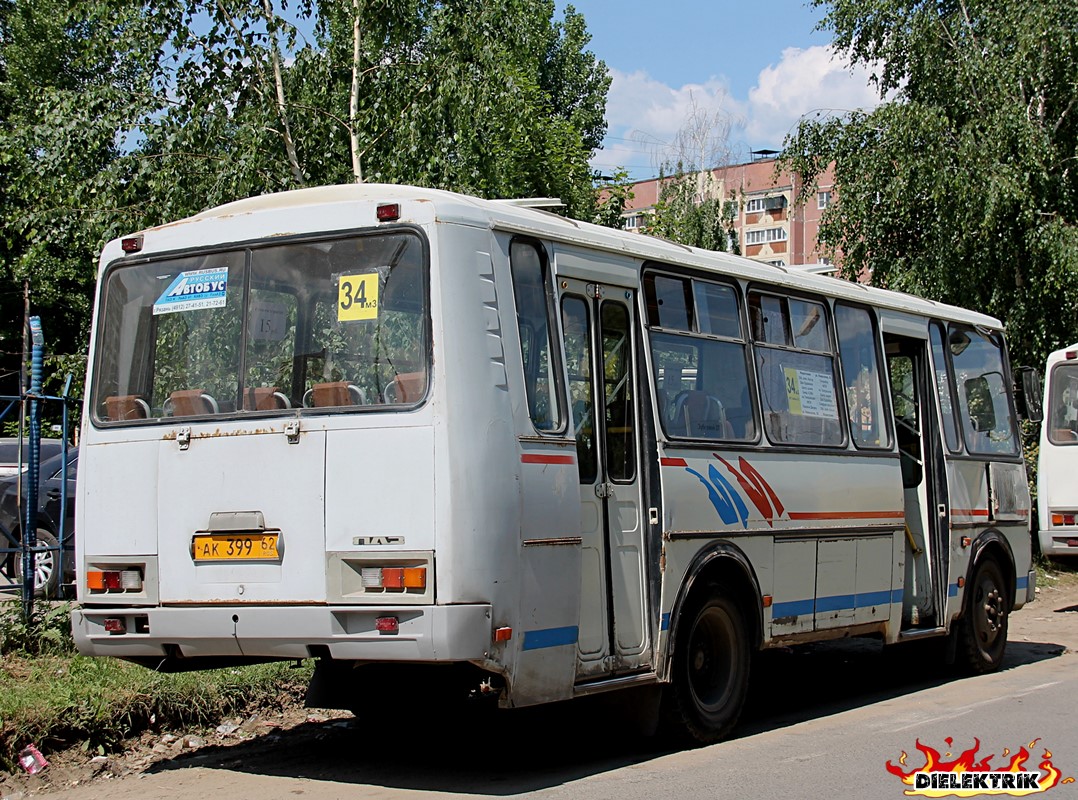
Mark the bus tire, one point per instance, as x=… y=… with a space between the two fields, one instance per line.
x=711 y=671
x=982 y=631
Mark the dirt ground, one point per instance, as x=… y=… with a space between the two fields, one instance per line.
x=1045 y=621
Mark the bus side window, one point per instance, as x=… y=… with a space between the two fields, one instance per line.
x=534 y=301
x=857 y=347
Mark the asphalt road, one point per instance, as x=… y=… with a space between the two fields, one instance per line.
x=821 y=722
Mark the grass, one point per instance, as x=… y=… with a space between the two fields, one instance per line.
x=55 y=698
x=1055 y=572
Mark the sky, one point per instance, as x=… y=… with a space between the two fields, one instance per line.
x=759 y=67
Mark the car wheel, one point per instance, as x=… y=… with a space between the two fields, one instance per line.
x=46 y=565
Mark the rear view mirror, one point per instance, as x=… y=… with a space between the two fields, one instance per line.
x=1029 y=394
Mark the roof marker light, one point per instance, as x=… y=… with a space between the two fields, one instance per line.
x=131 y=244
x=389 y=212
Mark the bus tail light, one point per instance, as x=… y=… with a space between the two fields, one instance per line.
x=393 y=579
x=1062 y=519
x=115 y=625
x=397 y=576
x=114 y=580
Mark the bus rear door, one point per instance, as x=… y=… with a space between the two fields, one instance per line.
x=598 y=328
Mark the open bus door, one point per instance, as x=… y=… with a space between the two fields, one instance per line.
x=924 y=482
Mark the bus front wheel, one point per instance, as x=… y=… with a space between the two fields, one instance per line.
x=711 y=670
x=982 y=633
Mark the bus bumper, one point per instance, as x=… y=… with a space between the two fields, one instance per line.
x=424 y=633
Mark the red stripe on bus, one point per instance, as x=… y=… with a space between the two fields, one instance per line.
x=969 y=512
x=537 y=458
x=846 y=515
x=673 y=462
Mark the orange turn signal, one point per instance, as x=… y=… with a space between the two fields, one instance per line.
x=95 y=580
x=415 y=577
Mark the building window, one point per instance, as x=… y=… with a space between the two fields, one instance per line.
x=631 y=223
x=823 y=199
x=825 y=261
x=778 y=262
x=758 y=204
x=765 y=235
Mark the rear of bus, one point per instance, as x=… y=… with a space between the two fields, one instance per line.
x=259 y=470
x=1057 y=484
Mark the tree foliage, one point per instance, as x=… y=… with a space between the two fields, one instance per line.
x=116 y=115
x=691 y=211
x=963 y=187
x=614 y=194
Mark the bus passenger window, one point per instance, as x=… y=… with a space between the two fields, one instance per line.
x=700 y=361
x=1062 y=416
x=858 y=353
x=531 y=288
x=796 y=371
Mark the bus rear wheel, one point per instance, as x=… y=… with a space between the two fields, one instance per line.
x=711 y=671
x=982 y=635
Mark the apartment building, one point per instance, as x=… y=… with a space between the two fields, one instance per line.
x=771 y=227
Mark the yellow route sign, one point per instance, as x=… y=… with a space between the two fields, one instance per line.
x=357 y=297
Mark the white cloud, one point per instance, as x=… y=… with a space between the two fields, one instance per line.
x=802 y=82
x=645 y=114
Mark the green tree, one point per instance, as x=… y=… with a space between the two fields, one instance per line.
x=691 y=211
x=614 y=193
x=67 y=90
x=118 y=115
x=963 y=187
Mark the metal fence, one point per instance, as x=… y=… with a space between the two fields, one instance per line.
x=20 y=550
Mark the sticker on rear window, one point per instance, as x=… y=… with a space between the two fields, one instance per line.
x=357 y=297
x=197 y=289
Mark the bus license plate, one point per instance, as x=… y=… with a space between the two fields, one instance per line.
x=235 y=547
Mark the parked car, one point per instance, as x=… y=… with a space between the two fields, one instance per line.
x=9 y=454
x=51 y=489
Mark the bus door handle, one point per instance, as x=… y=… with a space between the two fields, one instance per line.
x=941 y=509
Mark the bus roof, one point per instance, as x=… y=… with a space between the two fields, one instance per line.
x=515 y=218
x=1063 y=354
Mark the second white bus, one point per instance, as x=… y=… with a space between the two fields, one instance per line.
x=1057 y=462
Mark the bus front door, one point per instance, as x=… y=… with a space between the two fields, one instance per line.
x=924 y=482
x=598 y=330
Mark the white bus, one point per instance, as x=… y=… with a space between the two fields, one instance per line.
x=431 y=440
x=1057 y=465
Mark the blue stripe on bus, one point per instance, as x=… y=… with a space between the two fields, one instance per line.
x=794 y=608
x=841 y=602
x=952 y=590
x=1022 y=583
x=550 y=637
x=664 y=622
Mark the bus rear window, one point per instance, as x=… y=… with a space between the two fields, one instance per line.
x=328 y=324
